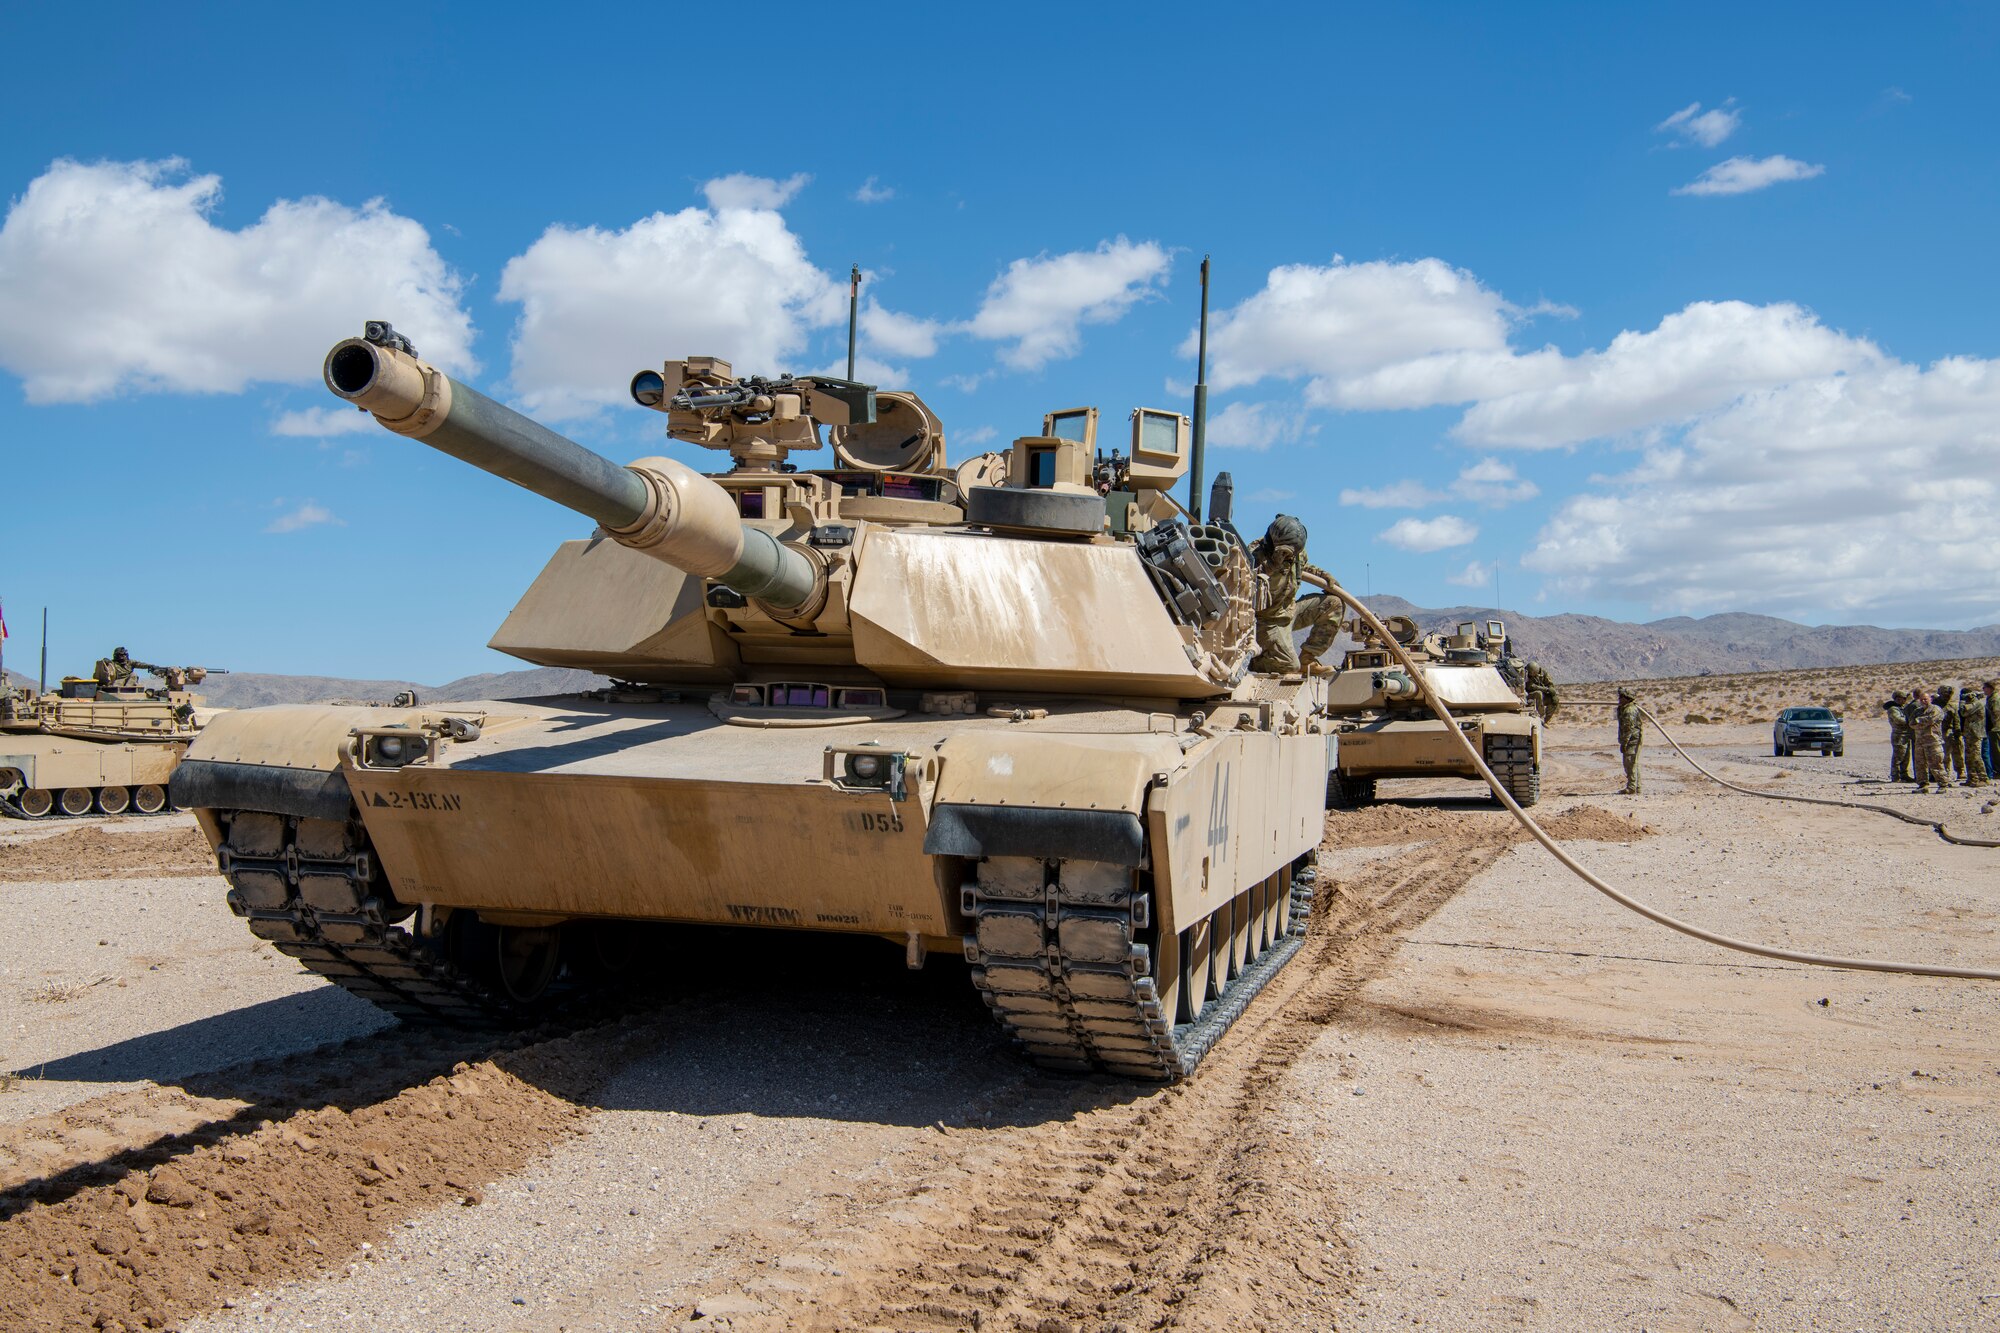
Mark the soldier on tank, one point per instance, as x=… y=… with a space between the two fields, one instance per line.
x=115 y=672
x=1280 y=556
x=1926 y=721
x=1896 y=709
x=1631 y=734
x=1954 y=745
x=1542 y=696
x=1972 y=735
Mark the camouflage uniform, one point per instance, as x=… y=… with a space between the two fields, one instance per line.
x=1281 y=559
x=1542 y=695
x=1926 y=740
x=1972 y=735
x=1992 y=693
x=115 y=671
x=1954 y=739
x=1631 y=733
x=1896 y=708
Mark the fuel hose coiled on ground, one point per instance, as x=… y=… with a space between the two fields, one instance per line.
x=1623 y=899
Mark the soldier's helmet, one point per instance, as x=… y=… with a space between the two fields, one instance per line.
x=1901 y=696
x=120 y=655
x=1285 y=531
x=1624 y=693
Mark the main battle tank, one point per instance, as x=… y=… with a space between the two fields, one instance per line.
x=92 y=746
x=1385 y=730
x=1001 y=709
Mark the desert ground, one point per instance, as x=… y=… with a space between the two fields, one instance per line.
x=1481 y=1097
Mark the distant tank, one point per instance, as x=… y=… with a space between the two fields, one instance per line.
x=999 y=709
x=1384 y=729
x=106 y=744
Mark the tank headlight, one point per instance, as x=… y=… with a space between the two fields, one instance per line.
x=864 y=767
x=390 y=747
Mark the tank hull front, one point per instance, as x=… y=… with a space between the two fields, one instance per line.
x=711 y=851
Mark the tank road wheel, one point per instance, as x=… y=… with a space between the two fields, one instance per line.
x=1236 y=938
x=113 y=800
x=77 y=800
x=149 y=799
x=36 y=802
x=518 y=963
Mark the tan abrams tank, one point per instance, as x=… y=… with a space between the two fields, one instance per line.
x=87 y=748
x=1000 y=711
x=1384 y=730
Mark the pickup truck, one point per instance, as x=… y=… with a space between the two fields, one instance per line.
x=1808 y=729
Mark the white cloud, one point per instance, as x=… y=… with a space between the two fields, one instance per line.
x=1375 y=335
x=1396 y=495
x=870 y=193
x=1741 y=175
x=311 y=514
x=318 y=423
x=1393 y=335
x=1707 y=128
x=1429 y=534
x=900 y=334
x=867 y=369
x=1493 y=483
x=1698 y=359
x=1863 y=494
x=1271 y=495
x=113 y=277
x=1256 y=426
x=977 y=436
x=598 y=305
x=1476 y=574
x=1040 y=305
x=738 y=190
x=1488 y=482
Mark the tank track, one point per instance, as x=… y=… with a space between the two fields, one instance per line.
x=1068 y=981
x=1512 y=759
x=311 y=888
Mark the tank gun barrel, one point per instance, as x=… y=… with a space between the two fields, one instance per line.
x=657 y=505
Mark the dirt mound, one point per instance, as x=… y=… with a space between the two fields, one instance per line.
x=1590 y=823
x=147 y=1235
x=90 y=852
x=1392 y=825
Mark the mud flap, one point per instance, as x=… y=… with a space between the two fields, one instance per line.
x=1017 y=830
x=310 y=793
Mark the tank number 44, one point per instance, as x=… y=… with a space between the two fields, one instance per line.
x=1218 y=814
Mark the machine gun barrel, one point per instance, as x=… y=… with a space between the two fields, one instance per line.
x=656 y=505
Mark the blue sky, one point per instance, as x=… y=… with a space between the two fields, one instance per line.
x=1676 y=311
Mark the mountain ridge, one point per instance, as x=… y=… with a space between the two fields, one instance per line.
x=1575 y=648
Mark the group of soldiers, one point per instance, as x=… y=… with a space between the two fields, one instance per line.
x=1942 y=734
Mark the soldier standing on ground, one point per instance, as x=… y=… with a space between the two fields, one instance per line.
x=1631 y=733
x=1972 y=735
x=1926 y=740
x=1954 y=741
x=1280 y=556
x=1993 y=727
x=1896 y=708
x=1542 y=696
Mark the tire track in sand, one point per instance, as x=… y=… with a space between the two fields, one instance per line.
x=1108 y=1206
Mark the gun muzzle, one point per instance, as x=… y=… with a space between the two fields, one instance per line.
x=656 y=505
